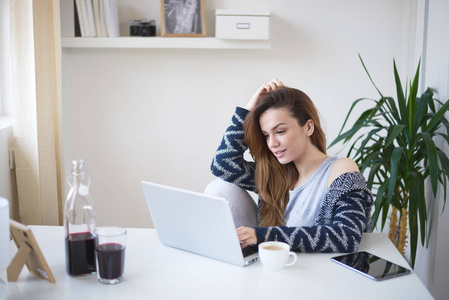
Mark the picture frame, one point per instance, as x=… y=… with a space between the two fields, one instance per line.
x=29 y=253
x=183 y=18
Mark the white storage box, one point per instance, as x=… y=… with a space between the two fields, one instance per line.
x=242 y=25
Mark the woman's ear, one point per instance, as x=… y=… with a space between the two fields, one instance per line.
x=309 y=127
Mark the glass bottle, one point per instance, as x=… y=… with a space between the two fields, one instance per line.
x=79 y=223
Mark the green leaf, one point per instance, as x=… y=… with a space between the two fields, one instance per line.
x=411 y=103
x=400 y=94
x=415 y=84
x=395 y=161
x=393 y=109
x=386 y=206
x=445 y=165
x=437 y=118
x=444 y=160
x=431 y=100
x=444 y=136
x=421 y=110
x=370 y=158
x=346 y=120
x=373 y=171
x=412 y=219
x=394 y=134
x=445 y=124
x=383 y=106
x=418 y=202
x=379 y=203
x=369 y=76
x=445 y=193
x=347 y=135
x=353 y=146
x=368 y=138
x=433 y=161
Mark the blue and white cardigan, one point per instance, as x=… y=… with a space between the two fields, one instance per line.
x=344 y=215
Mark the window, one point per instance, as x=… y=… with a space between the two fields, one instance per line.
x=5 y=61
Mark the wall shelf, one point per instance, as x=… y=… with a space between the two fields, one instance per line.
x=164 y=43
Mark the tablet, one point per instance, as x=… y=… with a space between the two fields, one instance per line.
x=29 y=253
x=370 y=265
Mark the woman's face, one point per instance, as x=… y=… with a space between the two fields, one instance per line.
x=285 y=137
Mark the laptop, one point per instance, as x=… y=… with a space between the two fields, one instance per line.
x=197 y=223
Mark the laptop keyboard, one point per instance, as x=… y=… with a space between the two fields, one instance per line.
x=251 y=249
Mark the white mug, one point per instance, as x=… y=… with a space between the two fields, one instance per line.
x=274 y=255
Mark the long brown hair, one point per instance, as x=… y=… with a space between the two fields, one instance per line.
x=274 y=180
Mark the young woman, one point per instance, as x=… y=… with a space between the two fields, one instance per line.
x=311 y=201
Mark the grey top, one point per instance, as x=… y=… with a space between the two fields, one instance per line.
x=306 y=200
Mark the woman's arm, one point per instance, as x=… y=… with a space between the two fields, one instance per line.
x=228 y=162
x=344 y=216
x=265 y=88
x=343 y=235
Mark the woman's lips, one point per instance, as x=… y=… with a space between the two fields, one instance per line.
x=279 y=154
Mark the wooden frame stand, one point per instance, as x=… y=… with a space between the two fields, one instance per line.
x=29 y=253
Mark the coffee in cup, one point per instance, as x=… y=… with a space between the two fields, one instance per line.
x=274 y=255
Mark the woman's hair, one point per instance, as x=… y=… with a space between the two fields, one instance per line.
x=274 y=180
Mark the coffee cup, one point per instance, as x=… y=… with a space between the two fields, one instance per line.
x=274 y=255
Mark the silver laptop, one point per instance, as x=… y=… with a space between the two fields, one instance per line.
x=197 y=223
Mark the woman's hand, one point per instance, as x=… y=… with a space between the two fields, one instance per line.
x=247 y=236
x=266 y=87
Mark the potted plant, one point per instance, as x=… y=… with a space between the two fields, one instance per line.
x=394 y=143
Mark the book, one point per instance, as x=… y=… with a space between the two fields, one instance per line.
x=84 y=19
x=111 y=17
x=90 y=19
x=80 y=17
x=77 y=21
x=102 y=19
x=97 y=18
x=114 y=13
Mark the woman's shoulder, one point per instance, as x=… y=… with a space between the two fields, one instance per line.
x=341 y=166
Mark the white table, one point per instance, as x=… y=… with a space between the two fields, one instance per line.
x=154 y=271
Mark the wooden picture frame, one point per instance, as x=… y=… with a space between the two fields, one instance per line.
x=29 y=253
x=183 y=18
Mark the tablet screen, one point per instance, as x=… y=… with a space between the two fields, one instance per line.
x=370 y=265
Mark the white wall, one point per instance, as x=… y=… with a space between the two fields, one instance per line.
x=432 y=264
x=5 y=82
x=158 y=114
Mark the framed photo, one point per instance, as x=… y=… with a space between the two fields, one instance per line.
x=183 y=18
x=29 y=253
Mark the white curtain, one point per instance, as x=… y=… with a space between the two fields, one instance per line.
x=36 y=80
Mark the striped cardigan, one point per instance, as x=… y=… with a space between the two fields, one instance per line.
x=343 y=217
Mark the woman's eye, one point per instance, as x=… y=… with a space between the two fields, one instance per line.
x=280 y=132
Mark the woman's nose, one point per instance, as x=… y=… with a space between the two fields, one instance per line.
x=272 y=141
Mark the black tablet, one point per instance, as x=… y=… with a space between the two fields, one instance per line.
x=370 y=265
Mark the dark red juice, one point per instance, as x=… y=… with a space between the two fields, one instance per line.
x=80 y=254
x=111 y=259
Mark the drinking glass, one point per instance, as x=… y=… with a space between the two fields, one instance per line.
x=110 y=251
